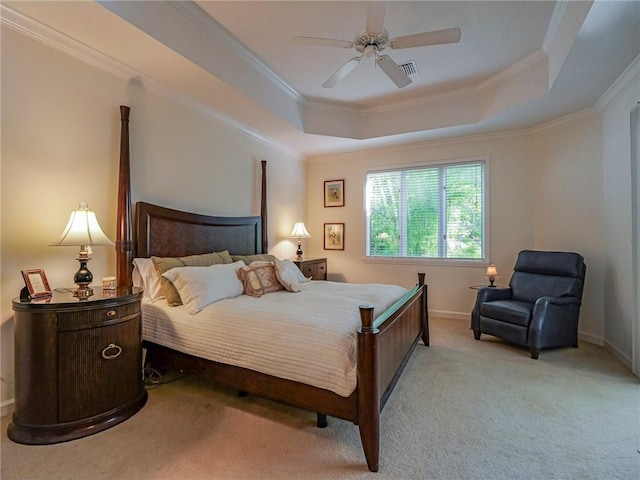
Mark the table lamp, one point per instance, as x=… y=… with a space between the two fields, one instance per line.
x=492 y=273
x=299 y=231
x=83 y=231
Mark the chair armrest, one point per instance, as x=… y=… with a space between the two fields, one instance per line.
x=487 y=295
x=559 y=301
x=491 y=294
x=554 y=321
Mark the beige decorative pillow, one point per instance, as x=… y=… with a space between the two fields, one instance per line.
x=259 y=278
x=247 y=259
x=289 y=275
x=199 y=287
x=164 y=264
x=145 y=276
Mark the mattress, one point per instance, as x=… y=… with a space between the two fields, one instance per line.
x=308 y=337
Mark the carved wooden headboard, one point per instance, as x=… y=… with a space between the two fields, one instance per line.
x=164 y=232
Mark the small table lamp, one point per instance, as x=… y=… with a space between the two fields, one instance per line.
x=299 y=231
x=492 y=273
x=83 y=231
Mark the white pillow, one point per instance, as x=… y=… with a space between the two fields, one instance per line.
x=146 y=276
x=201 y=286
x=289 y=276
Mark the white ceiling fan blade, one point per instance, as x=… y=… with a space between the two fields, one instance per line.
x=322 y=42
x=342 y=72
x=376 y=14
x=393 y=71
x=436 y=37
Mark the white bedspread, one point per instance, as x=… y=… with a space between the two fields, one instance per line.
x=308 y=337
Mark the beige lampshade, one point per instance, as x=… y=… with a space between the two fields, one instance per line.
x=82 y=229
x=299 y=230
x=492 y=271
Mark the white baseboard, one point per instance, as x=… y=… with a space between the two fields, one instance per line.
x=591 y=339
x=450 y=315
x=6 y=407
x=621 y=357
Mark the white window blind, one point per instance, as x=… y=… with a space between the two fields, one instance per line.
x=431 y=212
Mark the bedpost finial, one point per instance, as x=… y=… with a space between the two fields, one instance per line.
x=421 y=276
x=366 y=318
x=124 y=113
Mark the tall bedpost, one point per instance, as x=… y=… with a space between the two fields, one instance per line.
x=124 y=244
x=425 y=306
x=368 y=387
x=263 y=208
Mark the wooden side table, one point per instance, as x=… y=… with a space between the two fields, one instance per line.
x=78 y=365
x=316 y=268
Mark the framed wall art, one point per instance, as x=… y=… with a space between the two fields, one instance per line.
x=334 y=236
x=334 y=193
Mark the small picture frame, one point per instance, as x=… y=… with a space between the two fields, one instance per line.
x=334 y=236
x=36 y=283
x=334 y=193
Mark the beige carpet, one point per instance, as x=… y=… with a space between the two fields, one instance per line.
x=463 y=410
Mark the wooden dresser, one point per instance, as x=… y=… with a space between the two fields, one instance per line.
x=316 y=268
x=78 y=365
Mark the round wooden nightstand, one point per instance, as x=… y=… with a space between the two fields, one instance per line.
x=78 y=365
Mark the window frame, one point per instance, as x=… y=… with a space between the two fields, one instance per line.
x=467 y=262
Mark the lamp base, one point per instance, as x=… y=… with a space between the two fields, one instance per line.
x=83 y=276
x=299 y=251
x=82 y=292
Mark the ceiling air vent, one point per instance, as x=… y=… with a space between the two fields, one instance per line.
x=409 y=68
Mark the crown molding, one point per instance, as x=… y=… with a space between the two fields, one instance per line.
x=213 y=28
x=453 y=95
x=422 y=144
x=622 y=83
x=58 y=41
x=559 y=122
x=559 y=11
x=527 y=62
x=64 y=44
x=566 y=22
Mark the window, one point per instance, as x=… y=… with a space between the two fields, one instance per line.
x=427 y=212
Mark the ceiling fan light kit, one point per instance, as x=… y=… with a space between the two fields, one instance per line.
x=374 y=40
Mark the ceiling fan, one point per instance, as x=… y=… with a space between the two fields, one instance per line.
x=374 y=40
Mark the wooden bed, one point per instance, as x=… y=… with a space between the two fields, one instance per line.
x=384 y=345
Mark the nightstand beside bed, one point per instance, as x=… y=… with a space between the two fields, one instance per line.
x=78 y=365
x=316 y=268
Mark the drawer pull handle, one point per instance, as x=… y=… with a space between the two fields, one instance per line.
x=112 y=351
x=112 y=313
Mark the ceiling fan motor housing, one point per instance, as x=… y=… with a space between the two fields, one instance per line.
x=378 y=40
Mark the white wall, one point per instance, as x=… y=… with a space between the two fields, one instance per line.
x=567 y=186
x=60 y=146
x=510 y=217
x=619 y=306
x=544 y=193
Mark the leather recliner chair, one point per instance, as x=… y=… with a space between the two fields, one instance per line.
x=540 y=309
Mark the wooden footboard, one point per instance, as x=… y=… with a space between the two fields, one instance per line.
x=384 y=347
